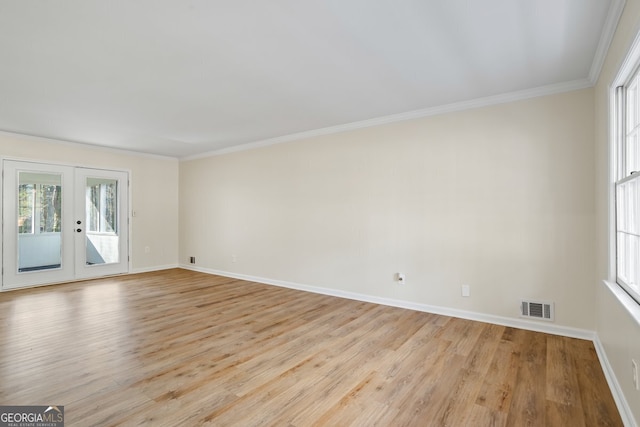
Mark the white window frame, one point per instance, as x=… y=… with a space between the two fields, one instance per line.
x=618 y=175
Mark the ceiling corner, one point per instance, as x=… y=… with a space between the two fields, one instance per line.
x=608 y=31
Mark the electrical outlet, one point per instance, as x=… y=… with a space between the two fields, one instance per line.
x=234 y=258
x=192 y=260
x=634 y=371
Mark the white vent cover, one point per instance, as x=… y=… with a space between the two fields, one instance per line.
x=537 y=310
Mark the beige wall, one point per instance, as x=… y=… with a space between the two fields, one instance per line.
x=500 y=198
x=154 y=191
x=617 y=330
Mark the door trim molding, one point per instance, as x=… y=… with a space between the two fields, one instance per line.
x=129 y=201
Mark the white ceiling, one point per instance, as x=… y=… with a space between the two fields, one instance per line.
x=186 y=77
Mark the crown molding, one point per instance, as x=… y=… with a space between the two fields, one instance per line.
x=36 y=138
x=606 y=37
x=410 y=115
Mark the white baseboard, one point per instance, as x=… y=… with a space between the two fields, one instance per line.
x=155 y=268
x=614 y=386
x=470 y=315
x=621 y=402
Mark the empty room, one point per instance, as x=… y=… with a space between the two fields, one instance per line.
x=324 y=213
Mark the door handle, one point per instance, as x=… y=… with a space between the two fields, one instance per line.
x=78 y=222
x=79 y=230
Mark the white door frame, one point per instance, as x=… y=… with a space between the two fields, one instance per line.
x=97 y=271
x=82 y=268
x=11 y=278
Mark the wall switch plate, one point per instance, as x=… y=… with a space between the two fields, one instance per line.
x=466 y=290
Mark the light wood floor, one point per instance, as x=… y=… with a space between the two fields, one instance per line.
x=179 y=348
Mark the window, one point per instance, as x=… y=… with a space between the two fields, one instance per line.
x=627 y=185
x=39 y=208
x=102 y=205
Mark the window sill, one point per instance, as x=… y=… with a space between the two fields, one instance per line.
x=630 y=305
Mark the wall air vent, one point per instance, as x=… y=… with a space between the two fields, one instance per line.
x=537 y=310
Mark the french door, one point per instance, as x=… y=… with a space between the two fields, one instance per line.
x=62 y=223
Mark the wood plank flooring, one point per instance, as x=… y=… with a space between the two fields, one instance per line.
x=180 y=348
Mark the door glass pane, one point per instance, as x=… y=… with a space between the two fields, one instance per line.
x=102 y=243
x=39 y=221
